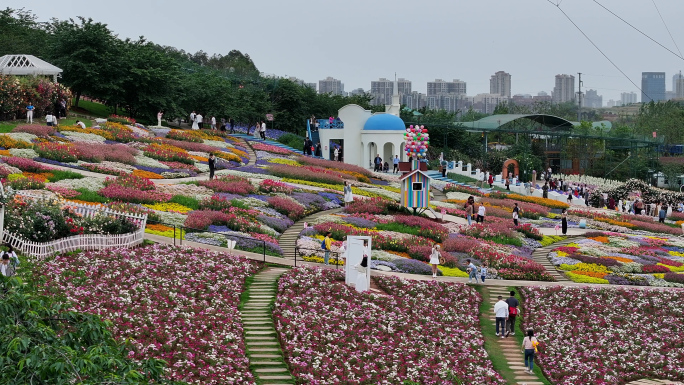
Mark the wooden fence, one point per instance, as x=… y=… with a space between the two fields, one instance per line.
x=84 y=241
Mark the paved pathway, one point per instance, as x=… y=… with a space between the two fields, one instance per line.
x=654 y=382
x=510 y=346
x=263 y=347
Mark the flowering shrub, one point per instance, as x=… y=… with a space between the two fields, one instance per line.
x=488 y=230
x=287 y=206
x=22 y=182
x=234 y=219
x=338 y=166
x=195 y=327
x=371 y=206
x=529 y=231
x=93 y=152
x=267 y=147
x=166 y=152
x=103 y=169
x=229 y=184
x=25 y=164
x=35 y=129
x=312 y=174
x=626 y=334
x=450 y=187
x=61 y=152
x=121 y=119
x=270 y=186
x=184 y=135
x=7 y=142
x=134 y=189
x=321 y=320
x=63 y=191
x=551 y=203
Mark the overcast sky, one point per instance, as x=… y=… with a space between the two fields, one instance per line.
x=357 y=41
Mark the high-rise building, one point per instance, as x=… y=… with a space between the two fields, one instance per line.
x=302 y=82
x=627 y=98
x=593 y=100
x=611 y=103
x=330 y=85
x=500 y=84
x=415 y=100
x=675 y=77
x=564 y=91
x=358 y=91
x=382 y=90
x=439 y=86
x=652 y=86
x=679 y=88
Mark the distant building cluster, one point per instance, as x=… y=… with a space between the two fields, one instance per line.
x=452 y=95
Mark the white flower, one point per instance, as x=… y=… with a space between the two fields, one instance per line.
x=83 y=137
x=23 y=153
x=143 y=160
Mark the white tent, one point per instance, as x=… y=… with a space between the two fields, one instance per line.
x=24 y=65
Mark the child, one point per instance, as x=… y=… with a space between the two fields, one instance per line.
x=483 y=271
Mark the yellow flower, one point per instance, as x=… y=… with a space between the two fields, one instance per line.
x=585 y=279
x=288 y=162
x=167 y=207
x=452 y=272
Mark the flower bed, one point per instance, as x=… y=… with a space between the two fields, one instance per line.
x=197 y=332
x=312 y=174
x=269 y=148
x=606 y=336
x=330 y=336
x=134 y=189
x=550 y=203
x=229 y=184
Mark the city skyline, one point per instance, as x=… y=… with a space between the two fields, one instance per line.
x=312 y=52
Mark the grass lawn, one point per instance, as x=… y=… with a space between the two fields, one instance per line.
x=8 y=126
x=461 y=178
x=95 y=109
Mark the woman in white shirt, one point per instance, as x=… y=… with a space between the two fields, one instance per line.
x=48 y=119
x=348 y=195
x=263 y=130
x=481 y=214
x=434 y=260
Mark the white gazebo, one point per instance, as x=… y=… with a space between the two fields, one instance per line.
x=27 y=65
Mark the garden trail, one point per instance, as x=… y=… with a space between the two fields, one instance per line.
x=266 y=360
x=510 y=347
x=541 y=256
x=654 y=382
x=288 y=240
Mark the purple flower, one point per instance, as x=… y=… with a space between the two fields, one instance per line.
x=279 y=224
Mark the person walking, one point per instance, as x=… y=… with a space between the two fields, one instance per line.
x=472 y=271
x=212 y=166
x=662 y=213
x=516 y=214
x=529 y=347
x=491 y=180
x=29 y=113
x=470 y=209
x=564 y=221
x=545 y=190
x=200 y=121
x=483 y=272
x=481 y=213
x=484 y=179
x=348 y=195
x=336 y=154
x=327 y=245
x=319 y=152
x=263 y=130
x=395 y=162
x=434 y=259
x=512 y=313
x=231 y=121
x=501 y=313
x=213 y=123
x=508 y=183
x=160 y=114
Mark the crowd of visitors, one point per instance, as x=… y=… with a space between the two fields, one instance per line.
x=9 y=262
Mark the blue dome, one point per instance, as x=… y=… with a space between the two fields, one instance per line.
x=384 y=122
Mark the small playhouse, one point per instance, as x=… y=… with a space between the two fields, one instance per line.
x=415 y=182
x=415 y=188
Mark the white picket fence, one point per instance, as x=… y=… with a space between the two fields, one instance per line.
x=84 y=241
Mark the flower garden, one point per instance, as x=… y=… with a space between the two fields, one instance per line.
x=332 y=335
x=620 y=259
x=606 y=336
x=187 y=316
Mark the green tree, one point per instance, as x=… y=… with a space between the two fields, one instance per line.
x=20 y=33
x=90 y=55
x=663 y=118
x=42 y=342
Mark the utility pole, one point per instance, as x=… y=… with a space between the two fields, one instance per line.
x=579 y=99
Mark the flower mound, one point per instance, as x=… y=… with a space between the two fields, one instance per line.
x=606 y=336
x=188 y=317
x=333 y=335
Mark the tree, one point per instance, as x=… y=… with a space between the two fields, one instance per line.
x=89 y=53
x=150 y=81
x=663 y=118
x=44 y=343
x=20 y=33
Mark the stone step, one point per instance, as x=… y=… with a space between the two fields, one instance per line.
x=267 y=363
x=276 y=356
x=261 y=343
x=257 y=328
x=259 y=338
x=263 y=350
x=270 y=370
x=259 y=332
x=275 y=378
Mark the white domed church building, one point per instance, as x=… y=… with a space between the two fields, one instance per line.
x=365 y=135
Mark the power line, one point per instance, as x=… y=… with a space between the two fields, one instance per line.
x=599 y=49
x=641 y=32
x=668 y=29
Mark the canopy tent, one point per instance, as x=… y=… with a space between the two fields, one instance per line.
x=544 y=122
x=25 y=65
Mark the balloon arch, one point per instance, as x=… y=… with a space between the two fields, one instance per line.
x=417 y=141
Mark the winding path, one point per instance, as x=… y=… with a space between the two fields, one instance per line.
x=288 y=239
